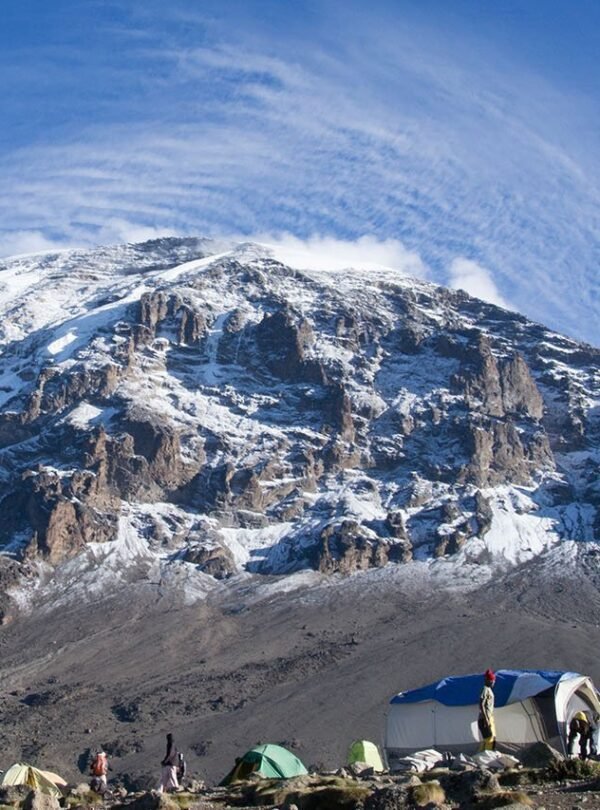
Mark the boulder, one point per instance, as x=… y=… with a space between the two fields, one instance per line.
x=38 y=800
x=151 y=800
x=13 y=794
x=394 y=797
x=347 y=547
x=539 y=755
x=78 y=791
x=468 y=786
x=361 y=769
x=215 y=560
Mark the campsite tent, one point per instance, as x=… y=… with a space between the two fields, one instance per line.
x=367 y=752
x=23 y=774
x=270 y=761
x=531 y=705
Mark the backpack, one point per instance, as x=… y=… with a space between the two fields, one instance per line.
x=98 y=766
x=484 y=728
x=181 y=766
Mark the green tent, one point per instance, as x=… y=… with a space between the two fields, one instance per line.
x=367 y=752
x=270 y=761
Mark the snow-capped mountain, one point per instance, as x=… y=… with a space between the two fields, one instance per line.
x=190 y=412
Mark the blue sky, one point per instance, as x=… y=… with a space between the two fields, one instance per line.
x=465 y=132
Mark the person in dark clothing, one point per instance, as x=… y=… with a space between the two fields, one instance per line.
x=579 y=726
x=168 y=779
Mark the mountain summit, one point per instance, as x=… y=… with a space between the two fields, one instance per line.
x=189 y=414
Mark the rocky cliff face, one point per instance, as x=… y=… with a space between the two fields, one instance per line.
x=236 y=415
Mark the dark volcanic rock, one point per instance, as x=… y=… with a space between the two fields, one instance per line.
x=160 y=309
x=500 y=452
x=392 y=797
x=539 y=755
x=345 y=548
x=216 y=561
x=283 y=339
x=127 y=712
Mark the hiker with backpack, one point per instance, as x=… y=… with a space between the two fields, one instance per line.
x=168 y=778
x=99 y=772
x=485 y=721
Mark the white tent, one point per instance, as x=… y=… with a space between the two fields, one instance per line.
x=531 y=706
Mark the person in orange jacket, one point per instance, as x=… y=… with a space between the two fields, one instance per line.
x=99 y=772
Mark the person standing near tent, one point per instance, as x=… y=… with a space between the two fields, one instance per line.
x=168 y=778
x=579 y=726
x=485 y=721
x=99 y=772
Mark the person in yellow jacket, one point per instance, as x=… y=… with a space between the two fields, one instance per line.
x=485 y=721
x=579 y=725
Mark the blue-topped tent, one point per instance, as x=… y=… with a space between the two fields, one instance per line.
x=531 y=706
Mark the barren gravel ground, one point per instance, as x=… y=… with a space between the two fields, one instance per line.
x=312 y=669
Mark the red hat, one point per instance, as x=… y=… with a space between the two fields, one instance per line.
x=489 y=675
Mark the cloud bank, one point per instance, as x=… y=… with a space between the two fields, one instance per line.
x=327 y=253
x=476 y=280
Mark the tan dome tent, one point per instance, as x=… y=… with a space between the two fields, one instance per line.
x=530 y=706
x=23 y=774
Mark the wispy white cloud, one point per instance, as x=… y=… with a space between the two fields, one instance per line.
x=16 y=243
x=113 y=230
x=381 y=137
x=474 y=279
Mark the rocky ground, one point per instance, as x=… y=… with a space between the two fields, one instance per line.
x=312 y=669
x=555 y=785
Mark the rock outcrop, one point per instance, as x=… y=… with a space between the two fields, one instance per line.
x=161 y=311
x=283 y=339
x=342 y=427
x=349 y=547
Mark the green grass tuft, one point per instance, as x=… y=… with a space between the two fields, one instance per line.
x=313 y=793
x=184 y=800
x=428 y=793
x=573 y=769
